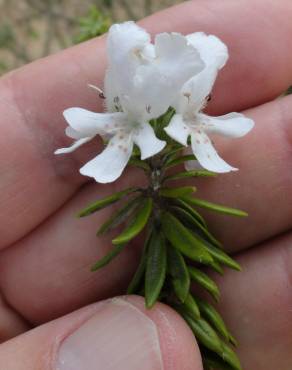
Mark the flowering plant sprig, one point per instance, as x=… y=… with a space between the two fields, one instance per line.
x=155 y=94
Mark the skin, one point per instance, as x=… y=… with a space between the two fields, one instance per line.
x=46 y=252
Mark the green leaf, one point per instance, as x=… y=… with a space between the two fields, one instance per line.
x=135 y=162
x=184 y=205
x=222 y=257
x=138 y=276
x=216 y=267
x=105 y=202
x=214 y=362
x=205 y=281
x=179 y=160
x=108 y=257
x=177 y=192
x=189 y=174
x=205 y=334
x=189 y=220
x=215 y=207
x=229 y=356
x=191 y=307
x=119 y=216
x=214 y=318
x=172 y=153
x=178 y=270
x=155 y=268
x=183 y=240
x=137 y=224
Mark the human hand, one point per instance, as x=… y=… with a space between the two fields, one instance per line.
x=46 y=253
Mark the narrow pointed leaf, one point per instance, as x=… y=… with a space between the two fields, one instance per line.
x=135 y=162
x=108 y=257
x=120 y=216
x=229 y=356
x=205 y=334
x=178 y=270
x=214 y=318
x=215 y=207
x=188 y=208
x=205 y=281
x=217 y=267
x=189 y=174
x=214 y=362
x=155 y=268
x=182 y=239
x=139 y=274
x=137 y=224
x=177 y=192
x=180 y=160
x=222 y=257
x=105 y=202
x=189 y=220
x=191 y=307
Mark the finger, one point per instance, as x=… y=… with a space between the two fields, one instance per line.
x=263 y=184
x=119 y=333
x=55 y=260
x=256 y=304
x=34 y=97
x=11 y=324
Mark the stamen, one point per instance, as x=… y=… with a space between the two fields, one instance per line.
x=187 y=95
x=101 y=94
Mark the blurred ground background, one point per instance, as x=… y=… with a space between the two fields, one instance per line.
x=30 y=29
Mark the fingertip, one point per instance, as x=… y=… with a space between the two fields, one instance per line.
x=178 y=345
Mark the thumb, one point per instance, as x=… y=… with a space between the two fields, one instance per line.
x=115 y=334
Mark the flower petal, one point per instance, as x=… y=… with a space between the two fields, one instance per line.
x=124 y=39
x=207 y=155
x=212 y=50
x=146 y=140
x=74 y=146
x=176 y=58
x=70 y=132
x=159 y=79
x=178 y=130
x=109 y=165
x=90 y=123
x=193 y=165
x=230 y=125
x=195 y=91
x=125 y=44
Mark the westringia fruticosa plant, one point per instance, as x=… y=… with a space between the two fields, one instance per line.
x=154 y=95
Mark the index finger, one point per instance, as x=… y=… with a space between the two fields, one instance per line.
x=34 y=183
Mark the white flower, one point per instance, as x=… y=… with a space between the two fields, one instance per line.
x=189 y=119
x=141 y=83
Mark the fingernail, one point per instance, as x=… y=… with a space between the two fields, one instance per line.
x=119 y=336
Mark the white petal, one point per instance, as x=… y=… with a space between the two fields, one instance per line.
x=176 y=58
x=112 y=92
x=90 y=123
x=74 y=146
x=125 y=38
x=146 y=140
x=207 y=155
x=109 y=165
x=157 y=81
x=193 y=165
x=195 y=91
x=70 y=132
x=125 y=45
x=230 y=125
x=212 y=50
x=178 y=130
x=152 y=94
